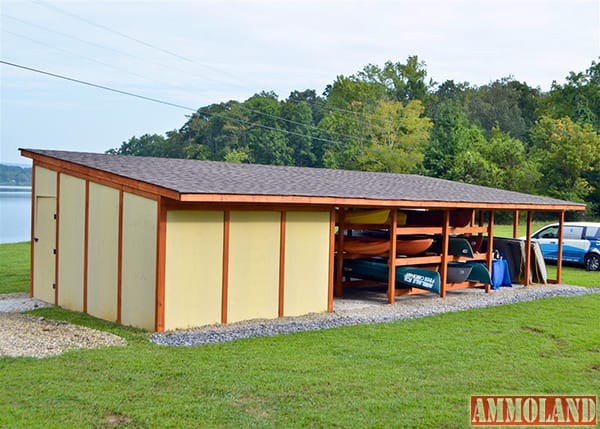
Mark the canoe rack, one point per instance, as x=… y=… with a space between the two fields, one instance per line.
x=394 y=224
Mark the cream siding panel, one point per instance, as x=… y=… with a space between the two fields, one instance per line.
x=43 y=248
x=306 y=263
x=45 y=182
x=103 y=237
x=71 y=242
x=194 y=268
x=253 y=265
x=138 y=275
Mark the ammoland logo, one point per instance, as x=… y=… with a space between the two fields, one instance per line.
x=534 y=410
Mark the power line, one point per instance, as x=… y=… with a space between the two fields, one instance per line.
x=128 y=37
x=95 y=85
x=118 y=51
x=80 y=56
x=110 y=30
x=156 y=100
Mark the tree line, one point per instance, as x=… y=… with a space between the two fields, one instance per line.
x=393 y=118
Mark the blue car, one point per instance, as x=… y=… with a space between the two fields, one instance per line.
x=581 y=243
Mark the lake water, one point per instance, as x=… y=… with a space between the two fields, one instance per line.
x=15 y=214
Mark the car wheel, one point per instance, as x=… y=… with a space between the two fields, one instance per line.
x=592 y=262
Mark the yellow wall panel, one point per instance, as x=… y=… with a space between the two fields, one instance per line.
x=103 y=237
x=194 y=268
x=138 y=276
x=45 y=182
x=306 y=262
x=71 y=242
x=253 y=265
x=43 y=249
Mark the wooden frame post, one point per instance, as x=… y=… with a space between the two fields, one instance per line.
x=561 y=229
x=331 y=260
x=444 y=262
x=339 y=287
x=527 y=280
x=392 y=258
x=490 y=248
x=516 y=224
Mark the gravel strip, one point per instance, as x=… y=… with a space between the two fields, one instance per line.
x=19 y=302
x=26 y=335
x=34 y=336
x=355 y=311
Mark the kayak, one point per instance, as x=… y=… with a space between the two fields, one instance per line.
x=406 y=277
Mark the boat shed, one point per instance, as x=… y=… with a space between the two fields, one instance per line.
x=167 y=244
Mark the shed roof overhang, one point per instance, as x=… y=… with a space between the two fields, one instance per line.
x=192 y=181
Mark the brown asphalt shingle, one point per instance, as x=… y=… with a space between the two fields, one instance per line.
x=209 y=177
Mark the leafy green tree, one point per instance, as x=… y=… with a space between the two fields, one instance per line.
x=497 y=105
x=267 y=142
x=451 y=136
x=396 y=135
x=297 y=117
x=213 y=131
x=512 y=167
x=578 y=98
x=565 y=151
x=403 y=82
x=346 y=129
x=152 y=145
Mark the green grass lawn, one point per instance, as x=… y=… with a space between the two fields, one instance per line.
x=14 y=267
x=417 y=373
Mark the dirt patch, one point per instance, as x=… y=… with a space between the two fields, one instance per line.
x=34 y=336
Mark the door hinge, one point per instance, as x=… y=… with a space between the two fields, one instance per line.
x=53 y=285
x=54 y=216
x=54 y=251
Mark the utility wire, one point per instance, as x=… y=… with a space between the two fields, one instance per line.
x=110 y=30
x=156 y=100
x=120 y=52
x=126 y=36
x=81 y=56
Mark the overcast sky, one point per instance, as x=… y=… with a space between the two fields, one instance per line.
x=195 y=53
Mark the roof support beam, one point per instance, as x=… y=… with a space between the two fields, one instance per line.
x=561 y=230
x=392 y=257
x=527 y=280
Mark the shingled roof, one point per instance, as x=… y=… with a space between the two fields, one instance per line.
x=192 y=179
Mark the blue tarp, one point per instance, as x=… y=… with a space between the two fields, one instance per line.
x=500 y=274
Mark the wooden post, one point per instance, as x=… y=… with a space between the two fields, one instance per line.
x=444 y=262
x=561 y=229
x=392 y=257
x=490 y=249
x=339 y=287
x=516 y=224
x=527 y=281
x=331 y=260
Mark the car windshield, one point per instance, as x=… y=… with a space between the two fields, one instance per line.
x=550 y=232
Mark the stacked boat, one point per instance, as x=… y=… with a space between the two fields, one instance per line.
x=365 y=253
